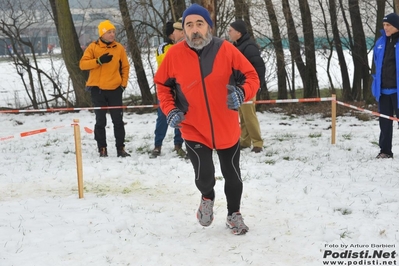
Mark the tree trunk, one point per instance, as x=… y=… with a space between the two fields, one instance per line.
x=177 y=7
x=327 y=46
x=338 y=47
x=310 y=85
x=211 y=6
x=380 y=16
x=359 y=53
x=71 y=50
x=135 y=51
x=294 y=44
x=242 y=12
x=278 y=47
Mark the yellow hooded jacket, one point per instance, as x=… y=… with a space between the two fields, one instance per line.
x=108 y=76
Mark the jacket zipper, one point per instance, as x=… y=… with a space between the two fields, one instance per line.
x=207 y=104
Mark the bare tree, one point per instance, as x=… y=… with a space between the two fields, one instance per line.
x=326 y=44
x=338 y=47
x=177 y=7
x=149 y=21
x=19 y=28
x=226 y=15
x=71 y=50
x=294 y=45
x=17 y=45
x=143 y=30
x=135 y=51
x=278 y=47
x=310 y=86
x=359 y=52
x=242 y=12
x=211 y=6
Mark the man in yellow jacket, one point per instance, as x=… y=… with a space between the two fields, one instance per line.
x=109 y=67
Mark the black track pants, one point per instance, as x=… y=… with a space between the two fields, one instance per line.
x=201 y=158
x=102 y=98
x=387 y=105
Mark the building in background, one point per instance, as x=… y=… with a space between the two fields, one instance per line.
x=44 y=38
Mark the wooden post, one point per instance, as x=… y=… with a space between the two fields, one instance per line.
x=78 y=152
x=333 y=117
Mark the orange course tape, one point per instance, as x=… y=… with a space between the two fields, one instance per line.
x=77 y=109
x=31 y=132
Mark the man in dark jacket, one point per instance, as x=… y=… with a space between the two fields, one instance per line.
x=250 y=129
x=386 y=83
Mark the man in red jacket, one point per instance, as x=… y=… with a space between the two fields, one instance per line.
x=201 y=83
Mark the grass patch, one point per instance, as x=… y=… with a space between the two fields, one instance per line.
x=286 y=136
x=143 y=149
x=363 y=116
x=343 y=211
x=347 y=136
x=344 y=234
x=314 y=135
x=270 y=153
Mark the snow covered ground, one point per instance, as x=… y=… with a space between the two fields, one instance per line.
x=303 y=198
x=306 y=201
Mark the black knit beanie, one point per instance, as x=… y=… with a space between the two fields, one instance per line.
x=239 y=26
x=168 y=29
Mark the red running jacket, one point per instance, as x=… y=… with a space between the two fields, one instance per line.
x=196 y=84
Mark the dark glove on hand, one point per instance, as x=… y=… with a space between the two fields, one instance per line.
x=235 y=97
x=174 y=118
x=105 y=58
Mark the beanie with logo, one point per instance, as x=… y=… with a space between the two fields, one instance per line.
x=105 y=26
x=392 y=19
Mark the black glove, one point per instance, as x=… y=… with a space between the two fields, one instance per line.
x=105 y=58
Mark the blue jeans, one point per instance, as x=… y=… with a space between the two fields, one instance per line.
x=161 y=127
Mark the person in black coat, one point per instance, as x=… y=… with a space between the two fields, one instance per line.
x=250 y=129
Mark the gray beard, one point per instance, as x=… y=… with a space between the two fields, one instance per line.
x=202 y=44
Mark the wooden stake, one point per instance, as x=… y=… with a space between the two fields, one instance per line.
x=78 y=152
x=333 y=117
